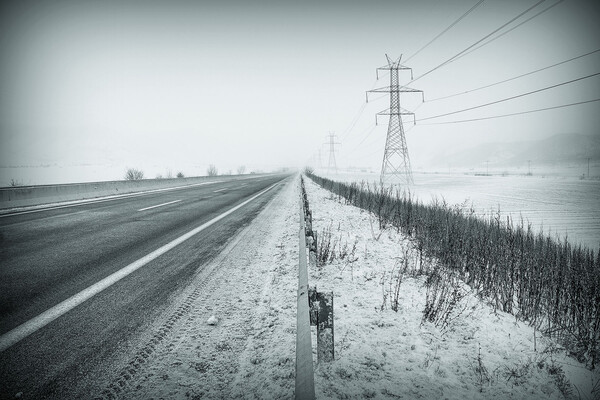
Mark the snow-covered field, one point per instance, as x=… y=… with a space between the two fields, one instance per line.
x=560 y=205
x=386 y=354
x=380 y=353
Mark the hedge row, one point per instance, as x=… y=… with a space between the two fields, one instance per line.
x=551 y=284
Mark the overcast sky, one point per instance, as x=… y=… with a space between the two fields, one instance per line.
x=180 y=85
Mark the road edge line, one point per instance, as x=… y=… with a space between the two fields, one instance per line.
x=74 y=203
x=27 y=328
x=160 y=205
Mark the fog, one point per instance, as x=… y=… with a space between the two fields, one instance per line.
x=88 y=89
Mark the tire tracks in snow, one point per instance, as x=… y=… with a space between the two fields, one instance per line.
x=249 y=353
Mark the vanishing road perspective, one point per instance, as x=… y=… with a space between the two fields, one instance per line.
x=300 y=199
x=78 y=282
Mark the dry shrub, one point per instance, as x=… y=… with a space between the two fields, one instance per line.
x=551 y=284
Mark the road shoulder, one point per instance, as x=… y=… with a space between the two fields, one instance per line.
x=249 y=352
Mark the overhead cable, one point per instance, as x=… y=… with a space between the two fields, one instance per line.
x=510 y=98
x=356 y=117
x=511 y=114
x=355 y=120
x=447 y=29
x=516 y=77
x=453 y=58
x=511 y=29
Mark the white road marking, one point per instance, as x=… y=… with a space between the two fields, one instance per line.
x=159 y=205
x=104 y=199
x=219 y=190
x=27 y=328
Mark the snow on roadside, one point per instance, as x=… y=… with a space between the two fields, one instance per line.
x=385 y=354
x=248 y=349
x=249 y=352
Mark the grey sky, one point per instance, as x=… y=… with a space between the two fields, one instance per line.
x=178 y=85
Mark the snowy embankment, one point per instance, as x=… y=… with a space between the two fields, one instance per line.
x=380 y=353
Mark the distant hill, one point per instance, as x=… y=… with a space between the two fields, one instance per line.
x=559 y=149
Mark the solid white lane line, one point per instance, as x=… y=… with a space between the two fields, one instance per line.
x=27 y=328
x=159 y=205
x=104 y=199
x=219 y=190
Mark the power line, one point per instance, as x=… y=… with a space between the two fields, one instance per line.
x=510 y=98
x=369 y=144
x=365 y=156
x=512 y=114
x=371 y=129
x=453 y=58
x=354 y=121
x=516 y=77
x=358 y=115
x=378 y=98
x=378 y=151
x=447 y=29
x=511 y=29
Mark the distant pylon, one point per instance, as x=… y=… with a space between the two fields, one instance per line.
x=396 y=162
x=331 y=165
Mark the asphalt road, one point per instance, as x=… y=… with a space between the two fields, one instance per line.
x=50 y=255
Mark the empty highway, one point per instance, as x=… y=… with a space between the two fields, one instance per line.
x=79 y=283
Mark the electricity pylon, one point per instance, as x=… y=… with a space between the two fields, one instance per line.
x=331 y=165
x=396 y=162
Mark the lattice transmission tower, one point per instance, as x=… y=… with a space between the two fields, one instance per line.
x=396 y=162
x=331 y=165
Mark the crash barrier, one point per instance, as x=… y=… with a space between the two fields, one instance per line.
x=314 y=308
x=24 y=196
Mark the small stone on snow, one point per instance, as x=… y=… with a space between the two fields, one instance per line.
x=212 y=320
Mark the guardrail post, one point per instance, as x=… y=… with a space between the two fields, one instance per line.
x=312 y=250
x=313 y=305
x=325 y=349
x=321 y=316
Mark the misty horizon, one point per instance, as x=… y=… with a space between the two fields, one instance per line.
x=178 y=86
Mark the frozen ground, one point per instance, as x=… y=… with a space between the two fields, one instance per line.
x=386 y=354
x=561 y=205
x=250 y=352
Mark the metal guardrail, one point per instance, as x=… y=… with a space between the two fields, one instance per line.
x=305 y=379
x=314 y=308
